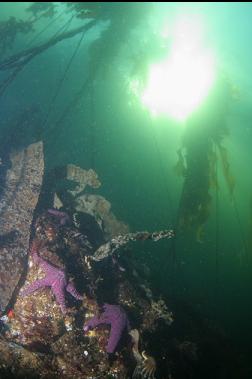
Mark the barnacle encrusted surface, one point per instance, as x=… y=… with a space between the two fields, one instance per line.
x=19 y=199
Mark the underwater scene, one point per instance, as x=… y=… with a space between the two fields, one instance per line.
x=125 y=190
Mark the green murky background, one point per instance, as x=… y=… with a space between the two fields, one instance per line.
x=134 y=155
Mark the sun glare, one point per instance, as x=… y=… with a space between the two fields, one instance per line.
x=177 y=85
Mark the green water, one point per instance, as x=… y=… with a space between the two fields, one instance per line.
x=134 y=154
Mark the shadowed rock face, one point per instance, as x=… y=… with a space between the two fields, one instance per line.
x=18 y=201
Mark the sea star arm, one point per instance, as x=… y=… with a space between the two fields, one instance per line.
x=62 y=216
x=114 y=337
x=59 y=293
x=73 y=291
x=92 y=323
x=36 y=245
x=40 y=283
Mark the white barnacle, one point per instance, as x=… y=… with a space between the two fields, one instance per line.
x=68 y=326
x=75 y=221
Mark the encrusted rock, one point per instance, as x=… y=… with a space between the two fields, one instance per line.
x=20 y=197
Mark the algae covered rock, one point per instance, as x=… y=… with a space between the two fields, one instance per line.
x=19 y=198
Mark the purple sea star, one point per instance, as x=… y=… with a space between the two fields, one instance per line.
x=114 y=316
x=62 y=216
x=55 y=278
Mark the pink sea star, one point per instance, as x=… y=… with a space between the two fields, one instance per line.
x=55 y=278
